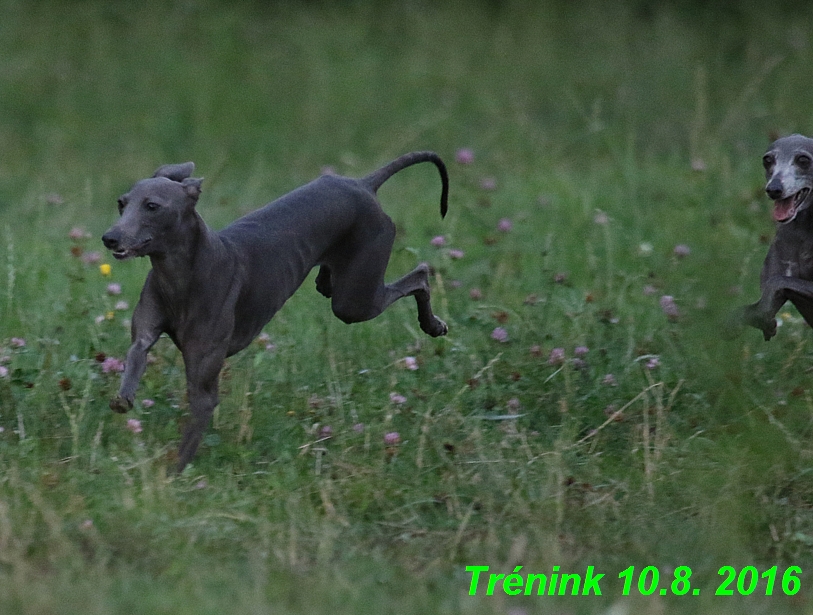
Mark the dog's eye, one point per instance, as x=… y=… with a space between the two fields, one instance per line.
x=767 y=161
x=150 y=206
x=803 y=161
x=121 y=206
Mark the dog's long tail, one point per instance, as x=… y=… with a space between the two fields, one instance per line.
x=376 y=178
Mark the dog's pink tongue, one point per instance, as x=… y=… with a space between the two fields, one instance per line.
x=783 y=209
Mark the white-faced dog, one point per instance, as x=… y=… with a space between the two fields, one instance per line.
x=787 y=274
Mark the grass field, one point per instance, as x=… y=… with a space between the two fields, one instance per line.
x=603 y=158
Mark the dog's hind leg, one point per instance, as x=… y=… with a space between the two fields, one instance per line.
x=357 y=280
x=416 y=284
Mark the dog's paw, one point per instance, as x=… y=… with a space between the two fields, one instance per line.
x=436 y=327
x=120 y=404
x=750 y=316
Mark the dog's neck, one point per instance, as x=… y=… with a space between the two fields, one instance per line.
x=192 y=256
x=806 y=217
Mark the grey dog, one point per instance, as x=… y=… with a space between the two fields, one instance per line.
x=213 y=292
x=787 y=274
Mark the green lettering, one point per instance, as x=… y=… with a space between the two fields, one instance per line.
x=513 y=583
x=475 y=577
x=492 y=581
x=577 y=580
x=529 y=583
x=591 y=583
x=553 y=579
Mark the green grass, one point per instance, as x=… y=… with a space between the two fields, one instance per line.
x=612 y=133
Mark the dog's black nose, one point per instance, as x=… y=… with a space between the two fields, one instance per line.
x=111 y=240
x=774 y=189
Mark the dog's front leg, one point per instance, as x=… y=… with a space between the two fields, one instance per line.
x=146 y=329
x=762 y=314
x=776 y=291
x=800 y=293
x=755 y=316
x=203 y=367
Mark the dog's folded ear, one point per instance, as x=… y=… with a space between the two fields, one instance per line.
x=192 y=186
x=175 y=172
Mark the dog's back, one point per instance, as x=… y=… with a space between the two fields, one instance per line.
x=277 y=245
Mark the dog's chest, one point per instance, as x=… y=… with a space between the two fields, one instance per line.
x=799 y=265
x=793 y=252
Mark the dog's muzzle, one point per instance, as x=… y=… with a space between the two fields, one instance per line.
x=112 y=240
x=785 y=210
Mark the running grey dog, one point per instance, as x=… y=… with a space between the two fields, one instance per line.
x=213 y=292
x=787 y=274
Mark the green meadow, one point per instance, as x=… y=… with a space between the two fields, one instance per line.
x=606 y=214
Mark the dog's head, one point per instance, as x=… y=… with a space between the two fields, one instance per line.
x=153 y=211
x=789 y=170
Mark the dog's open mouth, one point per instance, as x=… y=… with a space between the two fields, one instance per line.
x=784 y=210
x=125 y=253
